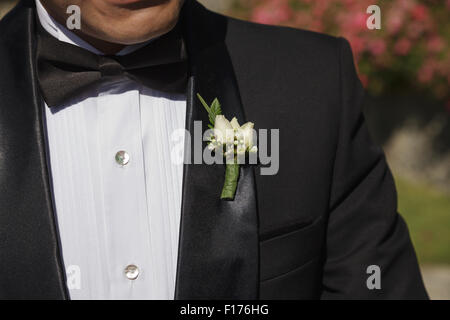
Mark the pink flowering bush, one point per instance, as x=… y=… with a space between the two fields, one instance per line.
x=410 y=51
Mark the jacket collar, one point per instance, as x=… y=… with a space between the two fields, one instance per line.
x=30 y=260
x=218 y=254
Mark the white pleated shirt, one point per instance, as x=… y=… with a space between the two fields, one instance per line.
x=118 y=217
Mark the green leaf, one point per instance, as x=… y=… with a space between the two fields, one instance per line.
x=215 y=106
x=203 y=103
x=213 y=110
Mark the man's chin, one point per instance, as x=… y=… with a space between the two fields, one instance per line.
x=137 y=4
x=151 y=19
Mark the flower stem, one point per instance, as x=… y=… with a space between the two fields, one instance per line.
x=231 y=179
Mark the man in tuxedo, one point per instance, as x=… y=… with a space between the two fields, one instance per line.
x=92 y=207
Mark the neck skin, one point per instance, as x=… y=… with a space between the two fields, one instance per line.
x=107 y=48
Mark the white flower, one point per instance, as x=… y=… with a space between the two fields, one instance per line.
x=223 y=130
x=240 y=149
x=234 y=123
x=230 y=132
x=245 y=132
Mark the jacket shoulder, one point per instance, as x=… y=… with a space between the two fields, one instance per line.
x=284 y=53
x=15 y=20
x=278 y=39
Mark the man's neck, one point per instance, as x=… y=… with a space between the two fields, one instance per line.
x=105 y=47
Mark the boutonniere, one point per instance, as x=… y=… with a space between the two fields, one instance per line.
x=231 y=140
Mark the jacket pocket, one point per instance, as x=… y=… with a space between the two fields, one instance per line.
x=283 y=253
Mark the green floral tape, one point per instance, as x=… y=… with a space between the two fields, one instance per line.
x=230 y=184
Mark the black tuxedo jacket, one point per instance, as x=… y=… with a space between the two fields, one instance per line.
x=308 y=232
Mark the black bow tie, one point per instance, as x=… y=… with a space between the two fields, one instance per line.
x=65 y=70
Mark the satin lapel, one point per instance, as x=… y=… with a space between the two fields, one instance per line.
x=218 y=254
x=30 y=260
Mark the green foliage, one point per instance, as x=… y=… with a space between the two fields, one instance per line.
x=213 y=110
x=427 y=213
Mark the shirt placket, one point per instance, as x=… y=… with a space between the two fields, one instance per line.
x=124 y=197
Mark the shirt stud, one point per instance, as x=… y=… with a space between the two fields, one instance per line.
x=132 y=272
x=122 y=157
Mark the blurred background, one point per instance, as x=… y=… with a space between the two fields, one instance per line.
x=405 y=68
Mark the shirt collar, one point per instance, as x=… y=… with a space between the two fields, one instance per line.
x=65 y=35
